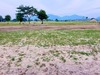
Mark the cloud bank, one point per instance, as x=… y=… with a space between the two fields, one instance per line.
x=90 y=8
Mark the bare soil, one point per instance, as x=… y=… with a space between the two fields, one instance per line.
x=56 y=60
x=48 y=27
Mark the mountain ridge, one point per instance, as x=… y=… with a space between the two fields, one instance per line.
x=71 y=17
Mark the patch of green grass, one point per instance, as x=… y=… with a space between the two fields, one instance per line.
x=63 y=59
x=51 y=37
x=21 y=54
x=28 y=66
x=13 y=58
x=82 y=53
x=70 y=23
x=10 y=24
x=55 y=53
x=47 y=23
x=46 y=58
x=15 y=23
x=42 y=65
x=74 y=58
x=37 y=61
x=65 y=23
x=19 y=59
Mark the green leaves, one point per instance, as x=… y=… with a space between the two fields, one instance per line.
x=7 y=17
x=26 y=11
x=42 y=15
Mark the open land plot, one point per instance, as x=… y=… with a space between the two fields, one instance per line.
x=48 y=23
x=50 y=52
x=49 y=27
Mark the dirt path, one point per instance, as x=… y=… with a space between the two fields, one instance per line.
x=48 y=27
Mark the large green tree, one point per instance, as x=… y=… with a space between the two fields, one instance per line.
x=27 y=11
x=19 y=17
x=42 y=15
x=1 y=18
x=8 y=18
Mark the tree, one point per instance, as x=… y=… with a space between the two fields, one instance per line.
x=86 y=18
x=1 y=18
x=19 y=17
x=7 y=18
x=27 y=11
x=42 y=15
x=92 y=18
x=56 y=20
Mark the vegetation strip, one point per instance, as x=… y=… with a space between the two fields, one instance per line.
x=51 y=37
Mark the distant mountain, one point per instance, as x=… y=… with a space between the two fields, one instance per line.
x=72 y=17
x=34 y=18
x=53 y=17
x=98 y=18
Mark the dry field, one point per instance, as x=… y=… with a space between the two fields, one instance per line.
x=56 y=60
x=48 y=27
x=50 y=50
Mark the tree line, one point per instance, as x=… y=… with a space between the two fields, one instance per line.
x=25 y=13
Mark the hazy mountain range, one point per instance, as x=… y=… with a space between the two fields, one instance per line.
x=72 y=17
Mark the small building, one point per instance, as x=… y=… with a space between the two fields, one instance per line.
x=93 y=20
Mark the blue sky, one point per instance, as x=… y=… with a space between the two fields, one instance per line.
x=90 y=8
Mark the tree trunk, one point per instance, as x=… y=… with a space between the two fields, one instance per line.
x=29 y=20
x=42 y=21
x=20 y=22
x=7 y=22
